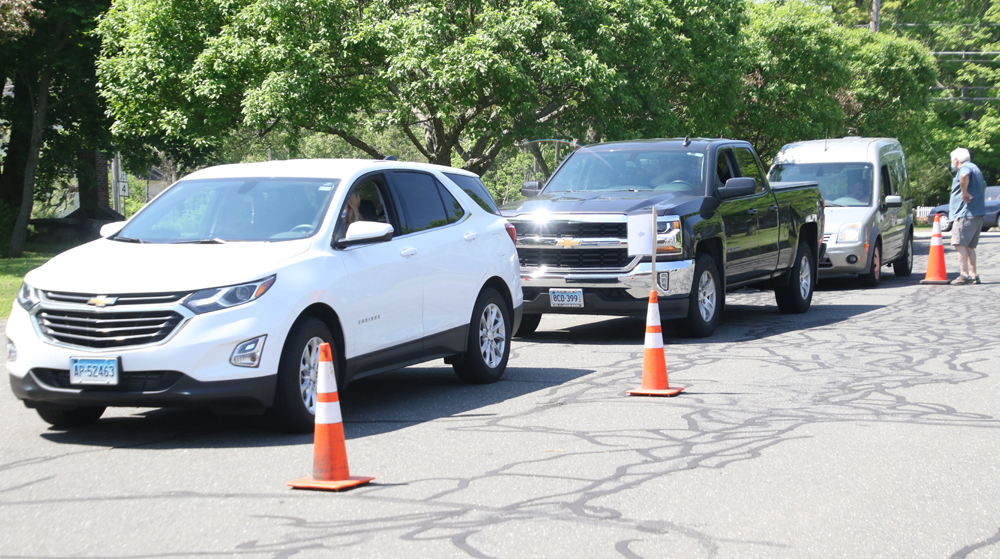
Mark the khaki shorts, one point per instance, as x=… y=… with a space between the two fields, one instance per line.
x=965 y=231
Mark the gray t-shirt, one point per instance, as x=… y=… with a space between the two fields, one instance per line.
x=977 y=189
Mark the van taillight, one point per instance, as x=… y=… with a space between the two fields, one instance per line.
x=512 y=232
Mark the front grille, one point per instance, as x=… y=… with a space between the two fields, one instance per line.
x=576 y=229
x=580 y=258
x=127 y=299
x=128 y=381
x=107 y=329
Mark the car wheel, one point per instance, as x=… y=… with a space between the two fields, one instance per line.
x=77 y=417
x=295 y=393
x=945 y=222
x=903 y=266
x=874 y=276
x=529 y=323
x=706 y=299
x=796 y=296
x=485 y=360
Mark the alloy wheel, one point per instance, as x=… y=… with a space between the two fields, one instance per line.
x=706 y=296
x=308 y=367
x=492 y=335
x=805 y=277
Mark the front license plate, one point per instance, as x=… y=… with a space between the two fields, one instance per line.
x=103 y=372
x=566 y=297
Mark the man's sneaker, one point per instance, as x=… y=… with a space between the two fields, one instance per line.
x=977 y=280
x=963 y=280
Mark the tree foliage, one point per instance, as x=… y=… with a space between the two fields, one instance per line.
x=14 y=18
x=466 y=77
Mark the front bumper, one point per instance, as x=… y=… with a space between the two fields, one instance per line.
x=836 y=261
x=196 y=356
x=612 y=293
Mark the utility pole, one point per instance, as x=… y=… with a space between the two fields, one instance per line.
x=876 y=8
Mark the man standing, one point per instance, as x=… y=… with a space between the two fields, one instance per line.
x=966 y=209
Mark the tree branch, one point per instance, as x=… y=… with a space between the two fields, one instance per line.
x=354 y=141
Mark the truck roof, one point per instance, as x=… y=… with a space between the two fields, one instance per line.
x=696 y=144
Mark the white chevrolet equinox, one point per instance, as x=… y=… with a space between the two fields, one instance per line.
x=219 y=292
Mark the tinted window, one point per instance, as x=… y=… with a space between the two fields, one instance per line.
x=748 y=166
x=888 y=188
x=419 y=201
x=723 y=172
x=476 y=190
x=451 y=205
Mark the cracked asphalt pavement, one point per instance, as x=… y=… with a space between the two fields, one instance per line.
x=867 y=427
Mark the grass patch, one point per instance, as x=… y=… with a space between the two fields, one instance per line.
x=12 y=271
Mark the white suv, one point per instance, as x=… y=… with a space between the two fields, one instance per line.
x=220 y=290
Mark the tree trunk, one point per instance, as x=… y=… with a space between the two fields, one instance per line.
x=540 y=162
x=12 y=178
x=34 y=151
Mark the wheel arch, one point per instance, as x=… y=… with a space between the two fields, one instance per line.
x=329 y=317
x=875 y=239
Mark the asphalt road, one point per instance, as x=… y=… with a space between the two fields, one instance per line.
x=867 y=427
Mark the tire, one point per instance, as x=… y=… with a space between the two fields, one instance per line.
x=707 y=299
x=294 y=408
x=986 y=228
x=874 y=276
x=945 y=222
x=529 y=323
x=485 y=360
x=903 y=266
x=77 y=417
x=796 y=296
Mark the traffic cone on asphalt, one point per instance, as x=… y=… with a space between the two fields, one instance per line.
x=330 y=471
x=937 y=274
x=654 y=365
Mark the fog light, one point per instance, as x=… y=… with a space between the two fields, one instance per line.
x=247 y=354
x=11 y=351
x=852 y=259
x=663 y=280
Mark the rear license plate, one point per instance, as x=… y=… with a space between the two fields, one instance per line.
x=566 y=297
x=102 y=372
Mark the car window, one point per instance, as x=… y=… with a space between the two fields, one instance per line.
x=887 y=186
x=749 y=167
x=993 y=193
x=419 y=201
x=842 y=184
x=367 y=201
x=245 y=209
x=723 y=169
x=454 y=210
x=476 y=190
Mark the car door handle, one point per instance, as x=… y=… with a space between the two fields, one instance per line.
x=772 y=208
x=752 y=211
x=408 y=252
x=470 y=236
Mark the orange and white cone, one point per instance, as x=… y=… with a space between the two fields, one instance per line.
x=654 y=364
x=937 y=274
x=330 y=471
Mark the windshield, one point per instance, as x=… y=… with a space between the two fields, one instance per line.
x=843 y=184
x=992 y=193
x=224 y=210
x=630 y=170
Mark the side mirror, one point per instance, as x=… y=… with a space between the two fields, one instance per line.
x=363 y=232
x=531 y=188
x=109 y=229
x=736 y=187
x=894 y=201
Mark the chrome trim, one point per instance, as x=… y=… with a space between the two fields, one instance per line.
x=585 y=218
x=589 y=272
x=636 y=282
x=581 y=242
x=186 y=316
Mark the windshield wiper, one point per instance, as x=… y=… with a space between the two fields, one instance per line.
x=128 y=240
x=212 y=241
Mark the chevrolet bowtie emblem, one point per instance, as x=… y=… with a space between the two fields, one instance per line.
x=102 y=301
x=567 y=243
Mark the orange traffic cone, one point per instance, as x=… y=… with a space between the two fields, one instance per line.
x=330 y=471
x=654 y=365
x=937 y=274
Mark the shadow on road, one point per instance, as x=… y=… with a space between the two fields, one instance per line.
x=371 y=406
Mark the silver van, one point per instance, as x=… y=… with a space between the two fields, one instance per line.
x=869 y=217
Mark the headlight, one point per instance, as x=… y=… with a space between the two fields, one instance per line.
x=668 y=235
x=208 y=300
x=849 y=233
x=27 y=297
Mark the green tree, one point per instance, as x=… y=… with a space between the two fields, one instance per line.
x=464 y=77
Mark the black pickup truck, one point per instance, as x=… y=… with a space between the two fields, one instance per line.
x=721 y=226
